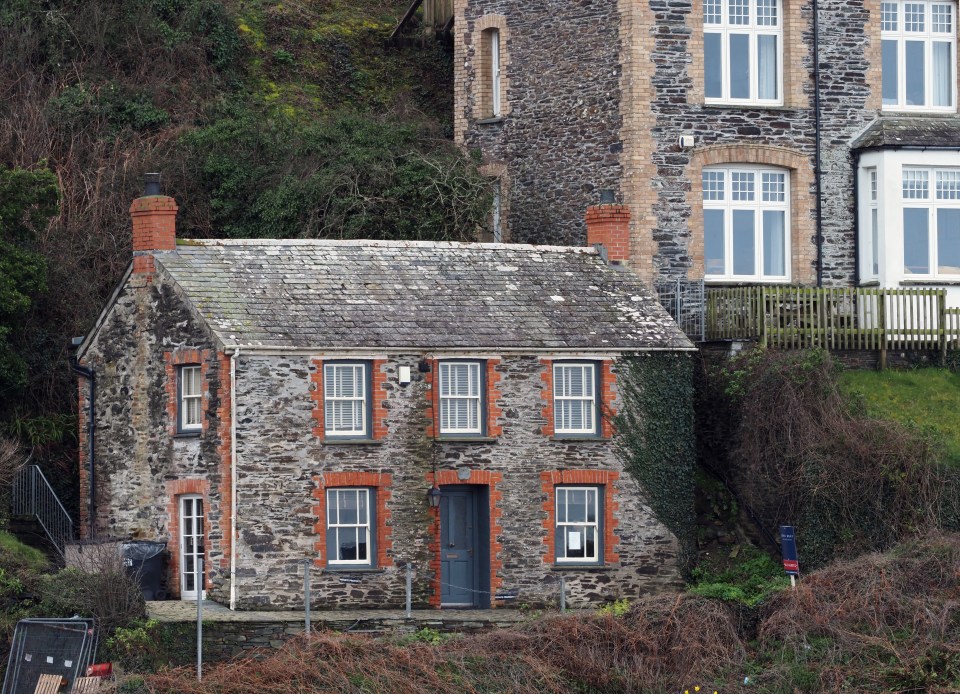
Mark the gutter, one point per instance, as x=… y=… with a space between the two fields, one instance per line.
x=91 y=377
x=233 y=478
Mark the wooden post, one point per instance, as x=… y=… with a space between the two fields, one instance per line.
x=882 y=325
x=942 y=325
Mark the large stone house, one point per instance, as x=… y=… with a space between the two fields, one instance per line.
x=748 y=141
x=361 y=405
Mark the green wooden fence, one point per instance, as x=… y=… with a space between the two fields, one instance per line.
x=788 y=317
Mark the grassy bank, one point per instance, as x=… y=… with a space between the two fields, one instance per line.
x=928 y=399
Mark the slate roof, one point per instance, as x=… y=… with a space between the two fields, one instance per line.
x=349 y=294
x=917 y=131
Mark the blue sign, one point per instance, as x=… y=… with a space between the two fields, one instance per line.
x=788 y=548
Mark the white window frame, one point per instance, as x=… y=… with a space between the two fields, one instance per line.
x=192 y=545
x=494 y=44
x=362 y=525
x=561 y=547
x=473 y=397
x=752 y=29
x=186 y=374
x=560 y=396
x=870 y=266
x=333 y=399
x=894 y=27
x=758 y=205
x=929 y=198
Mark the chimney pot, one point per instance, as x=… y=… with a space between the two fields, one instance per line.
x=151 y=184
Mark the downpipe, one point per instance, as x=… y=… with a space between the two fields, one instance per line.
x=233 y=479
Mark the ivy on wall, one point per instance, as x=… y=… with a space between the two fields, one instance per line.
x=656 y=439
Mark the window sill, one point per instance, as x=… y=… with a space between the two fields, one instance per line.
x=580 y=439
x=931 y=283
x=465 y=439
x=751 y=107
x=582 y=567
x=351 y=442
x=870 y=283
x=338 y=570
x=187 y=435
x=490 y=121
x=745 y=283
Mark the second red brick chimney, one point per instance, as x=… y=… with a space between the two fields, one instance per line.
x=609 y=224
x=154 y=224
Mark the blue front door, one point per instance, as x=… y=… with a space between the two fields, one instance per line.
x=458 y=547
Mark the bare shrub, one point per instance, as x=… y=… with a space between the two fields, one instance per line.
x=98 y=587
x=804 y=455
x=11 y=462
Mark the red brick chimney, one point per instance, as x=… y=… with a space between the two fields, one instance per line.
x=609 y=224
x=154 y=224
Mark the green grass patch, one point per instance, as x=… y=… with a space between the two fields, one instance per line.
x=928 y=399
x=747 y=578
x=12 y=551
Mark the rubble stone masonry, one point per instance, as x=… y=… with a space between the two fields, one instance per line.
x=601 y=92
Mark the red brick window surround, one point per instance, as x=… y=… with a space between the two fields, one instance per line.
x=603 y=479
x=175 y=490
x=379 y=486
x=174 y=361
x=481 y=478
x=605 y=395
x=489 y=395
x=374 y=395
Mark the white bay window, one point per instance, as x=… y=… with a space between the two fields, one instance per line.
x=746 y=234
x=931 y=222
x=743 y=51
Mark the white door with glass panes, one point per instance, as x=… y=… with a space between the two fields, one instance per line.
x=191 y=546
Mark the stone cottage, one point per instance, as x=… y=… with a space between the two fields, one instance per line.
x=361 y=405
x=747 y=141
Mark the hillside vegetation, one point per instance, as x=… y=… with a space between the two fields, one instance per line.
x=887 y=622
x=267 y=119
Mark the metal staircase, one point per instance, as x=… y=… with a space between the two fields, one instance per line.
x=33 y=497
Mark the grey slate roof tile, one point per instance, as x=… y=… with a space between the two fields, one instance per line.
x=911 y=131
x=369 y=294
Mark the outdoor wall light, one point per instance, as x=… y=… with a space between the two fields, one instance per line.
x=433 y=495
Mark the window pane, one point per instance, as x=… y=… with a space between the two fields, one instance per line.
x=739 y=12
x=942 y=19
x=561 y=506
x=712 y=12
x=948 y=185
x=739 y=65
x=347 y=503
x=575 y=542
x=888 y=69
x=591 y=506
x=713 y=242
x=916 y=241
x=712 y=185
x=347 y=544
x=948 y=241
x=874 y=242
x=888 y=16
x=577 y=505
x=774 y=250
x=942 y=74
x=742 y=185
x=713 y=65
x=914 y=72
x=774 y=187
x=913 y=16
x=767 y=13
x=916 y=184
x=767 y=68
x=744 y=243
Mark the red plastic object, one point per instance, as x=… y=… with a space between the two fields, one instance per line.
x=100 y=670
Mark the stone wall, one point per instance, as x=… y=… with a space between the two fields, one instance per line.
x=592 y=80
x=559 y=136
x=137 y=455
x=280 y=458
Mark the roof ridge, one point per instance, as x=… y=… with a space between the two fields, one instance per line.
x=377 y=243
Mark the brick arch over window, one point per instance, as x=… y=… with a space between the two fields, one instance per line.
x=482 y=98
x=803 y=246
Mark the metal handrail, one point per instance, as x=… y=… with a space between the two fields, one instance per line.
x=33 y=496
